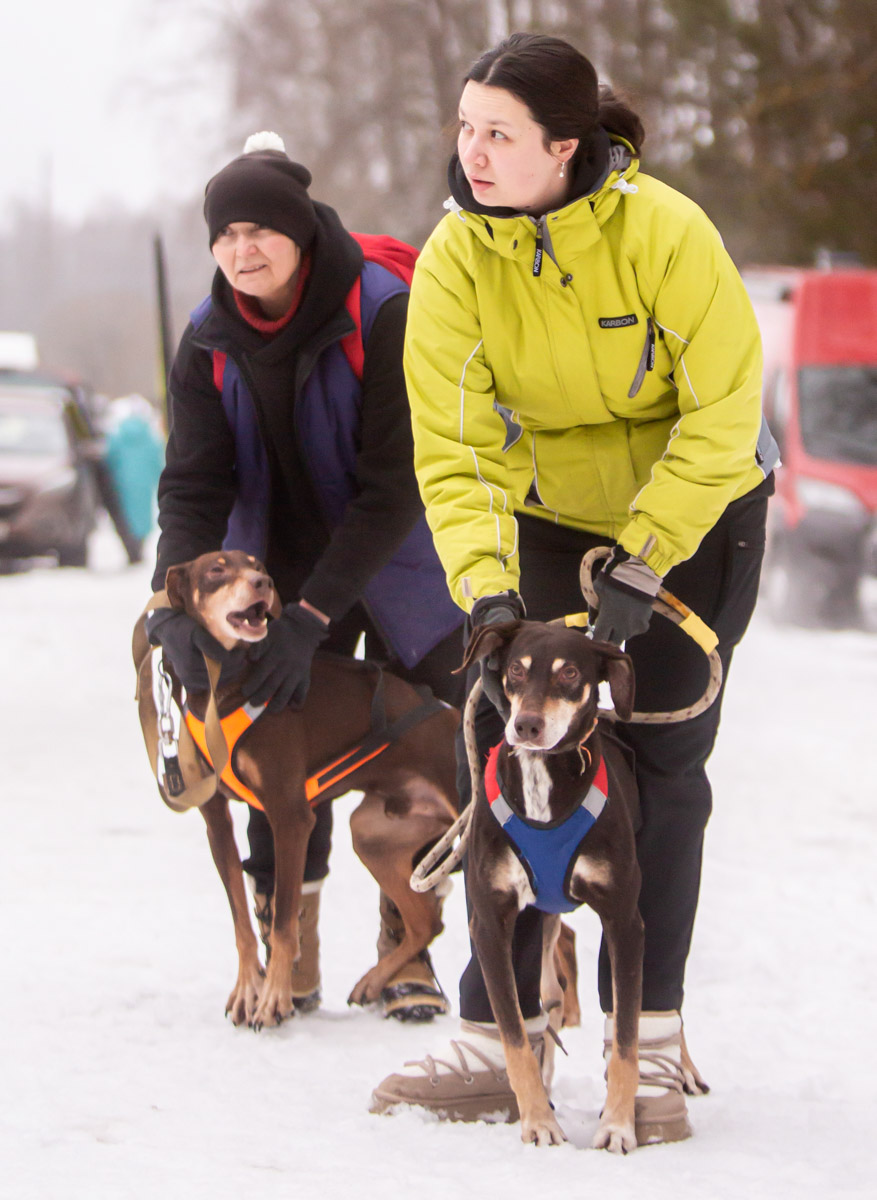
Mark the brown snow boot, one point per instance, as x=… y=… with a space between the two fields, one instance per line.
x=413 y=993
x=306 y=971
x=666 y=1073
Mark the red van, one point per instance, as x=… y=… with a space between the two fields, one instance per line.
x=819 y=330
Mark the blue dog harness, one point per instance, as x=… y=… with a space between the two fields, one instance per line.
x=547 y=851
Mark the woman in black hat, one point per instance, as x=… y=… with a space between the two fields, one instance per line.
x=290 y=438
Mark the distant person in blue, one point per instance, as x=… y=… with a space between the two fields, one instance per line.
x=134 y=455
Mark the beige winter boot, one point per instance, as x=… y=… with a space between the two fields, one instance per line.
x=306 y=971
x=413 y=993
x=666 y=1073
x=464 y=1080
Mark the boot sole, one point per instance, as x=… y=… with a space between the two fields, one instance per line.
x=651 y=1133
x=494 y=1112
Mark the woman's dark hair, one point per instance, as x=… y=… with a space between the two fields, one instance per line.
x=559 y=86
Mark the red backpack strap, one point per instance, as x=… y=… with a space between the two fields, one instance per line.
x=395 y=256
x=219 y=358
x=351 y=343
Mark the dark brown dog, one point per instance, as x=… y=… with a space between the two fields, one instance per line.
x=546 y=765
x=409 y=789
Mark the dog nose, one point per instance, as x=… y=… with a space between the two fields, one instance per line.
x=529 y=726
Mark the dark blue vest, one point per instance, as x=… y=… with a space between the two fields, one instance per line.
x=408 y=598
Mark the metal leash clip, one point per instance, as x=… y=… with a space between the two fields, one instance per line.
x=170 y=772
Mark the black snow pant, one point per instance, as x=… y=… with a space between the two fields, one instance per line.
x=434 y=670
x=720 y=584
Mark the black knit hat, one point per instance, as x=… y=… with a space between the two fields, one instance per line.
x=265 y=186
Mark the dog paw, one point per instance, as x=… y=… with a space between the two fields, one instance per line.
x=242 y=1003
x=272 y=1011
x=368 y=990
x=617 y=1139
x=543 y=1130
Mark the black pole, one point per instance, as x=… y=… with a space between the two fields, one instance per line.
x=164 y=322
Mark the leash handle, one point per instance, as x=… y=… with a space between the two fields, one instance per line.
x=178 y=795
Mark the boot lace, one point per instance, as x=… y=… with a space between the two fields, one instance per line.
x=461 y=1069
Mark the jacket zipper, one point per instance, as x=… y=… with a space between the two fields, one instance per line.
x=647 y=359
x=540 y=239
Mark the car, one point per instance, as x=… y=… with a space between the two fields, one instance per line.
x=819 y=330
x=48 y=493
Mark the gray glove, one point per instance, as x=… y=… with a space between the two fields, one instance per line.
x=625 y=589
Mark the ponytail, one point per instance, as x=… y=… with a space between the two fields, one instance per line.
x=616 y=116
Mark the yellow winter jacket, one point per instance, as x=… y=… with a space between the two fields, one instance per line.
x=617 y=391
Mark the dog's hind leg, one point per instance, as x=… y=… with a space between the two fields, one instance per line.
x=220 y=834
x=552 y=991
x=388 y=833
x=568 y=974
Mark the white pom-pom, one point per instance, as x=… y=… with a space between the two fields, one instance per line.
x=263 y=141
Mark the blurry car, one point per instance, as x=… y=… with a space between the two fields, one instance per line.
x=819 y=330
x=48 y=498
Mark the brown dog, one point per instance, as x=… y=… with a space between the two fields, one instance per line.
x=553 y=765
x=409 y=787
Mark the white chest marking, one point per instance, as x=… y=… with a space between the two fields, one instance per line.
x=537 y=786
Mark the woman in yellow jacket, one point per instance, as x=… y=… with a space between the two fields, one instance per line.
x=584 y=368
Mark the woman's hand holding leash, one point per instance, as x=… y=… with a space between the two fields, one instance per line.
x=626 y=589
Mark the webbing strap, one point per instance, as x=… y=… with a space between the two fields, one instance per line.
x=381 y=737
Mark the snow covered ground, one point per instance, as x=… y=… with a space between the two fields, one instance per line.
x=121 y=1079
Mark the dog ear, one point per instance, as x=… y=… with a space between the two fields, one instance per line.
x=485 y=639
x=176 y=584
x=617 y=668
x=276 y=607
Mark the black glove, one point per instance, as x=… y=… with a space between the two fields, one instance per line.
x=185 y=643
x=496 y=610
x=282 y=660
x=625 y=588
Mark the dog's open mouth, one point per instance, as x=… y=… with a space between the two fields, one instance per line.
x=252 y=619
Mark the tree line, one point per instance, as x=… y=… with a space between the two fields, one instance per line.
x=761 y=110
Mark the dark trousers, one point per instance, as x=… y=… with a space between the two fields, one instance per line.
x=720 y=584
x=434 y=670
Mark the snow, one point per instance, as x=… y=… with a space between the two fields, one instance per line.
x=122 y=1079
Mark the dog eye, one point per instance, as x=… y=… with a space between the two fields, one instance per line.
x=516 y=671
x=569 y=673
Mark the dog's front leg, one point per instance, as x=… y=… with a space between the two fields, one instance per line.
x=291 y=833
x=624 y=941
x=492 y=928
x=220 y=834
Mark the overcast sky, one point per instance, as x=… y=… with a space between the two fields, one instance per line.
x=103 y=101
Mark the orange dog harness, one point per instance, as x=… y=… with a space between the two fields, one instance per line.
x=236 y=724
